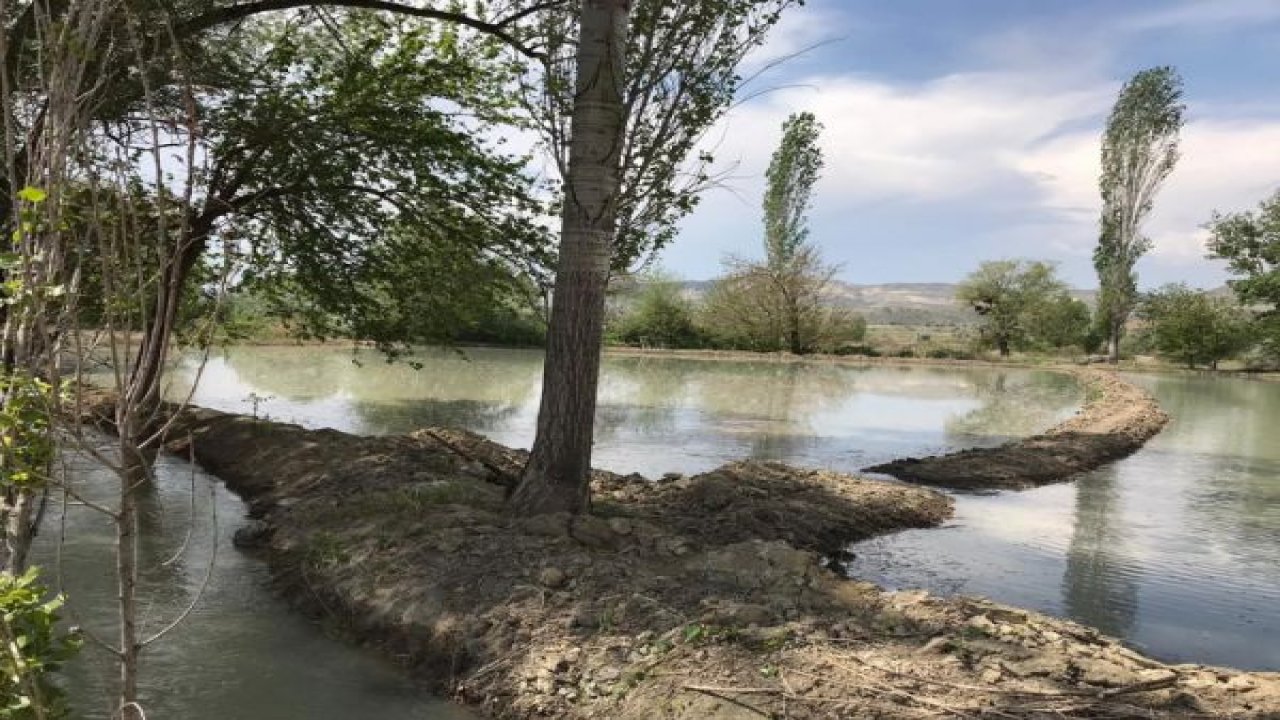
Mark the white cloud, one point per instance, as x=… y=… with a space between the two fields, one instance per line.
x=1205 y=14
x=958 y=136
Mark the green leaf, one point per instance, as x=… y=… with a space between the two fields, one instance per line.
x=33 y=194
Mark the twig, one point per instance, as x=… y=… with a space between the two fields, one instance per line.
x=721 y=693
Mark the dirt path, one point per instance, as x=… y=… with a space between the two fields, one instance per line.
x=1116 y=420
x=702 y=597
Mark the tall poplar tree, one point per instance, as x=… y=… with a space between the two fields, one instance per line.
x=793 y=171
x=1139 y=150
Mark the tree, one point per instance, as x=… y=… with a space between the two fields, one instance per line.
x=1139 y=150
x=637 y=103
x=1193 y=326
x=1061 y=321
x=1009 y=296
x=660 y=316
x=557 y=475
x=746 y=309
x=793 y=171
x=356 y=176
x=681 y=77
x=781 y=302
x=1250 y=243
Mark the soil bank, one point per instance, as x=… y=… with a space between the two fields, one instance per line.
x=1116 y=419
x=686 y=597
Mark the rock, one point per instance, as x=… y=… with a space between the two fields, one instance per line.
x=1104 y=673
x=621 y=526
x=1045 y=665
x=981 y=623
x=991 y=675
x=608 y=674
x=774 y=565
x=254 y=534
x=906 y=598
x=552 y=577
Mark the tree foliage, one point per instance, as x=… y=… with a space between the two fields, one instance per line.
x=682 y=75
x=1020 y=302
x=1250 y=243
x=793 y=171
x=1194 y=327
x=358 y=176
x=32 y=648
x=1139 y=150
x=660 y=316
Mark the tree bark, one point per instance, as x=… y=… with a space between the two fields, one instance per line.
x=1113 y=343
x=132 y=478
x=557 y=476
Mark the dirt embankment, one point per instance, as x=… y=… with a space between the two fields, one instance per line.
x=1116 y=420
x=702 y=597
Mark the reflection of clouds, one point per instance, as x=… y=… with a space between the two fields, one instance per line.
x=1176 y=547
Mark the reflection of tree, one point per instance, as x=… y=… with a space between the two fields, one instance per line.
x=383 y=418
x=1014 y=404
x=641 y=395
x=787 y=393
x=1098 y=588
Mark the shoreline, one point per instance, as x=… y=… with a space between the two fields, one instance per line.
x=1116 y=420
x=694 y=597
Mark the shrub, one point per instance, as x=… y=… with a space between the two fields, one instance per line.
x=31 y=649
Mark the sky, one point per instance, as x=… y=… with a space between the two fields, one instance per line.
x=958 y=131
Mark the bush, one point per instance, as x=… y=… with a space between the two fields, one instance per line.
x=863 y=350
x=31 y=649
x=949 y=354
x=905 y=353
x=661 y=317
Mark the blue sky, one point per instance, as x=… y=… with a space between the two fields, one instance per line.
x=964 y=130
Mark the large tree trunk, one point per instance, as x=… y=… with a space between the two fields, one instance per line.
x=557 y=476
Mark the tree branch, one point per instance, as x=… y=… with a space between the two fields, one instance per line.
x=232 y=13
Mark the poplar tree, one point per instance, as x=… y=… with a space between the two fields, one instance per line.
x=792 y=174
x=1139 y=150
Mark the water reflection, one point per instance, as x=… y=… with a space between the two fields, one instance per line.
x=655 y=414
x=1007 y=411
x=1176 y=549
x=242 y=653
x=1098 y=584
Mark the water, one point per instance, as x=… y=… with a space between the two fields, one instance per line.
x=656 y=415
x=242 y=653
x=1176 y=549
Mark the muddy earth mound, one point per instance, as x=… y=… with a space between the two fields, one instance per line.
x=1116 y=420
x=706 y=597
